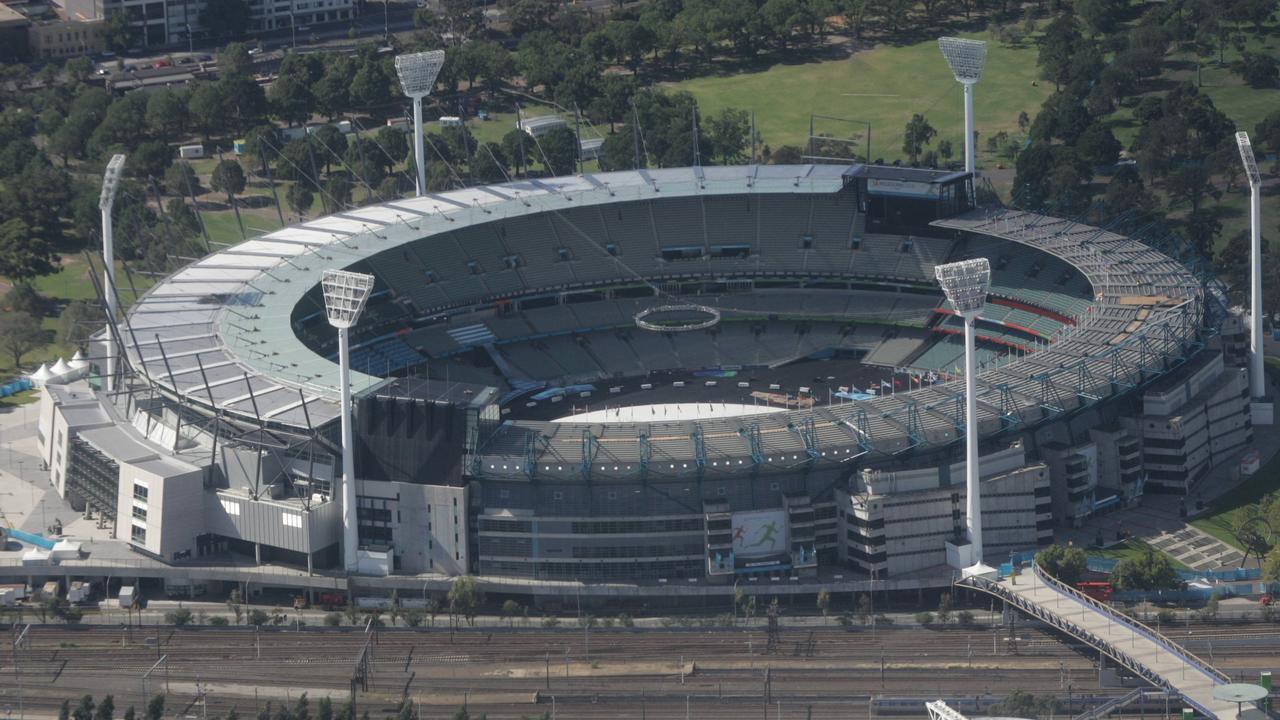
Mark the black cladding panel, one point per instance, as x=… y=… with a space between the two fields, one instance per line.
x=409 y=440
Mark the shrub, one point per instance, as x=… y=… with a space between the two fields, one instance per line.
x=257 y=617
x=625 y=620
x=218 y=621
x=179 y=617
x=965 y=618
x=332 y=619
x=550 y=621
x=924 y=618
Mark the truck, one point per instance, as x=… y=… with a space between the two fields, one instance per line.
x=52 y=590
x=129 y=597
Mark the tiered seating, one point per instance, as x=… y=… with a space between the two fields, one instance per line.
x=383 y=357
x=895 y=349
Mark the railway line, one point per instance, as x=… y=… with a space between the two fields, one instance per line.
x=724 y=672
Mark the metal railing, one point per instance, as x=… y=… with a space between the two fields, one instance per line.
x=998 y=589
x=1135 y=625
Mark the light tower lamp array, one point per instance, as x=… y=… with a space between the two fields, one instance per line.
x=110 y=185
x=965 y=285
x=418 y=73
x=345 y=294
x=966 y=58
x=1261 y=411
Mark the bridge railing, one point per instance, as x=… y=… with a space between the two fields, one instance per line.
x=998 y=589
x=1136 y=625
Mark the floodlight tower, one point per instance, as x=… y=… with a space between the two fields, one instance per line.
x=110 y=184
x=966 y=58
x=345 y=294
x=965 y=284
x=1257 y=380
x=418 y=72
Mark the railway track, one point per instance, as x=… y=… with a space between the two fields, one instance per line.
x=823 y=672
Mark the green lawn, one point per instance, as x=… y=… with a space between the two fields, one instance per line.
x=882 y=86
x=1132 y=549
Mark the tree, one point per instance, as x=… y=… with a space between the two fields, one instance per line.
x=23 y=255
x=24 y=298
x=150 y=160
x=371 y=86
x=730 y=134
x=489 y=163
x=180 y=179
x=155 y=708
x=559 y=151
x=394 y=148
x=915 y=136
x=233 y=604
x=332 y=91
x=257 y=617
x=166 y=114
x=944 y=608
x=84 y=711
x=824 y=601
x=290 y=97
x=1260 y=70
x=1149 y=571
x=338 y=189
x=1066 y=563
x=864 y=609
x=228 y=177
x=226 y=18
x=208 y=108
x=1271 y=566
x=1023 y=704
x=107 y=708
x=299 y=198
x=1098 y=146
x=179 y=617
x=510 y=609
x=118 y=33
x=464 y=597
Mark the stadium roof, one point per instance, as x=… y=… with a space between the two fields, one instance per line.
x=218 y=332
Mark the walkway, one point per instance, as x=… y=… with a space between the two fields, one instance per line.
x=1137 y=647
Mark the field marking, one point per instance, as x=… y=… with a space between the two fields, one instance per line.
x=868 y=95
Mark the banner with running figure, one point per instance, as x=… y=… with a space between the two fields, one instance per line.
x=759 y=533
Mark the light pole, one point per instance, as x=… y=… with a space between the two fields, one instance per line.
x=965 y=284
x=110 y=184
x=345 y=294
x=966 y=58
x=1257 y=380
x=418 y=72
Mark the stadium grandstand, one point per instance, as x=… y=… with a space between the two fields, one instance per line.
x=808 y=425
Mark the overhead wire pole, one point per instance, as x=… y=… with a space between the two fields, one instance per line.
x=1257 y=378
x=110 y=186
x=965 y=285
x=967 y=59
x=418 y=73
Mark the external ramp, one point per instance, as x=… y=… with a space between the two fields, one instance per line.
x=1137 y=647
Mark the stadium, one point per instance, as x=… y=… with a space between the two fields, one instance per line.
x=683 y=374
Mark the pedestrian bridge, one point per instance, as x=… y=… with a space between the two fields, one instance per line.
x=1141 y=649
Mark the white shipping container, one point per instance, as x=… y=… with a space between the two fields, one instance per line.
x=191 y=152
x=128 y=596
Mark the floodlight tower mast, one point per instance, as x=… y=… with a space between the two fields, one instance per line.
x=110 y=185
x=418 y=72
x=1257 y=388
x=345 y=294
x=966 y=58
x=965 y=284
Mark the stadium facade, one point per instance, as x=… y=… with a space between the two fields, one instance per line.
x=499 y=312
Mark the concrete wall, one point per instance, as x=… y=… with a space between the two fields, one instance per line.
x=281 y=524
x=175 y=496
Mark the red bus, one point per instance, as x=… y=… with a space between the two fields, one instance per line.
x=1098 y=590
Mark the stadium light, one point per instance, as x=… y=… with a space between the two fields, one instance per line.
x=418 y=73
x=110 y=186
x=966 y=58
x=1257 y=380
x=965 y=284
x=345 y=294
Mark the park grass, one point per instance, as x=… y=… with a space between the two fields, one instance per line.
x=1132 y=549
x=882 y=86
